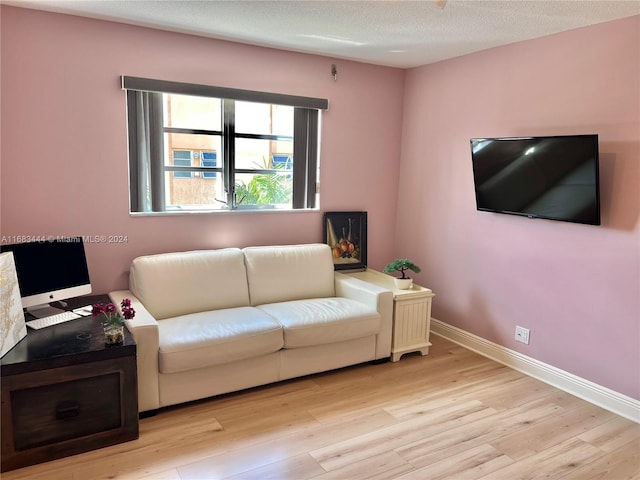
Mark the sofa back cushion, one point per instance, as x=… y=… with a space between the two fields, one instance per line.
x=289 y=272
x=172 y=284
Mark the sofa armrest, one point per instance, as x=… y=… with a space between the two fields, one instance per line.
x=144 y=328
x=377 y=297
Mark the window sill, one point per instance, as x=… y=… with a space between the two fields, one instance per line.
x=171 y=213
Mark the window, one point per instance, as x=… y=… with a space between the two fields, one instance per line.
x=195 y=147
x=209 y=159
x=282 y=161
x=182 y=158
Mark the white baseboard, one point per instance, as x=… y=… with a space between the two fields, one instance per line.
x=598 y=395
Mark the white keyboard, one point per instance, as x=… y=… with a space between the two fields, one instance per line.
x=43 y=322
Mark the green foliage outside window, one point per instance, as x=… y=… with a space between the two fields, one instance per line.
x=265 y=188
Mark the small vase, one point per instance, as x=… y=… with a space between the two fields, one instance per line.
x=113 y=334
x=403 y=283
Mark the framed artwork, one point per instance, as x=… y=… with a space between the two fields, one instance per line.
x=346 y=234
x=12 y=326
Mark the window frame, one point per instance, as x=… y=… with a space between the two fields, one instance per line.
x=305 y=145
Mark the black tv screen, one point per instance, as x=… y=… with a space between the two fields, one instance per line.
x=538 y=177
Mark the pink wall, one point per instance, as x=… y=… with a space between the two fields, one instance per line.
x=64 y=169
x=577 y=287
x=64 y=155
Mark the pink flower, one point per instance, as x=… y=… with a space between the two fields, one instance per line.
x=127 y=310
x=98 y=308
x=110 y=311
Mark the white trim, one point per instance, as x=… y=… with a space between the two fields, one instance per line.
x=604 y=397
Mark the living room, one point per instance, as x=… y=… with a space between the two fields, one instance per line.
x=395 y=143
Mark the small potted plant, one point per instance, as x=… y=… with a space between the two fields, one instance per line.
x=402 y=265
x=113 y=322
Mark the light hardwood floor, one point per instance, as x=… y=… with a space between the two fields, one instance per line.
x=452 y=414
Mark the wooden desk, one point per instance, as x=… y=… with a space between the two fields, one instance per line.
x=65 y=392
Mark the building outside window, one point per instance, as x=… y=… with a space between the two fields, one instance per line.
x=209 y=153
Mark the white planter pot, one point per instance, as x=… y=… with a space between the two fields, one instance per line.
x=403 y=283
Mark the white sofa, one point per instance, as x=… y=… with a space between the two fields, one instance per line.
x=215 y=321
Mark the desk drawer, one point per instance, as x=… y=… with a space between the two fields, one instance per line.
x=83 y=401
x=62 y=411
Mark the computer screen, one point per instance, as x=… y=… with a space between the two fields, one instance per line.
x=50 y=271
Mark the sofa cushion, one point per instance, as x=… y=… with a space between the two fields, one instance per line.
x=216 y=337
x=289 y=272
x=172 y=284
x=323 y=320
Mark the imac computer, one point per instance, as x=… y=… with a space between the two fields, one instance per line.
x=50 y=271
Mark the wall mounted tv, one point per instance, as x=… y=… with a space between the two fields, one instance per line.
x=538 y=177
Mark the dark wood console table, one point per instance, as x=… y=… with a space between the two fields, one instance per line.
x=65 y=392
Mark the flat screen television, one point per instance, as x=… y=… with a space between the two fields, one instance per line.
x=49 y=271
x=555 y=177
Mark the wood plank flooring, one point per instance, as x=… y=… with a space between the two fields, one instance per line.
x=450 y=415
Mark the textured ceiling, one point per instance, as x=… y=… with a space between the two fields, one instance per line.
x=393 y=33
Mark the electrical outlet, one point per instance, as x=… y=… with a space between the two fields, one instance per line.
x=522 y=335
